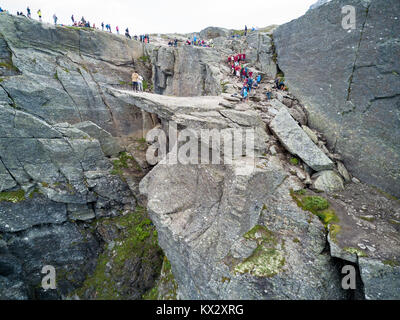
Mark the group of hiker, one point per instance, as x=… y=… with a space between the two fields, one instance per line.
x=200 y=43
x=250 y=81
x=173 y=43
x=137 y=82
x=82 y=23
x=144 y=38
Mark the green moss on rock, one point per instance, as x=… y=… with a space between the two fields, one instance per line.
x=166 y=287
x=317 y=205
x=12 y=196
x=391 y=263
x=356 y=251
x=137 y=243
x=294 y=161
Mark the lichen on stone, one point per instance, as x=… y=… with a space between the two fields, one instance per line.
x=267 y=259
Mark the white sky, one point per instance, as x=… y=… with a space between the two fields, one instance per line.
x=166 y=16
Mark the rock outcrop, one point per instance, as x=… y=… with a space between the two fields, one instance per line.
x=61 y=164
x=349 y=82
x=185 y=71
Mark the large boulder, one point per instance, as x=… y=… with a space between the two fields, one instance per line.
x=349 y=81
x=214 y=32
x=298 y=143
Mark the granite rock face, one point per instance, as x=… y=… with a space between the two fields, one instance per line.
x=58 y=130
x=59 y=73
x=225 y=233
x=349 y=81
x=52 y=177
x=185 y=71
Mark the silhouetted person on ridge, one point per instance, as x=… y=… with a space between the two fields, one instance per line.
x=127 y=33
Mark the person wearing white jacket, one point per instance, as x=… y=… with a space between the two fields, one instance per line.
x=140 y=83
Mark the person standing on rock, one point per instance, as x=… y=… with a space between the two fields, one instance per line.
x=73 y=19
x=102 y=26
x=245 y=94
x=140 y=83
x=117 y=29
x=40 y=15
x=135 y=79
x=28 y=11
x=55 y=19
x=245 y=30
x=127 y=34
x=268 y=93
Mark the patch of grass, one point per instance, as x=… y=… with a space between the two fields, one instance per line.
x=391 y=263
x=296 y=240
x=294 y=161
x=356 y=251
x=317 y=205
x=369 y=219
x=121 y=163
x=146 y=85
x=334 y=230
x=33 y=193
x=394 y=222
x=224 y=87
x=144 y=59
x=225 y=279
x=9 y=66
x=12 y=196
x=1 y=80
x=137 y=238
x=167 y=282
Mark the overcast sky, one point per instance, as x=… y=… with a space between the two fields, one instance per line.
x=166 y=16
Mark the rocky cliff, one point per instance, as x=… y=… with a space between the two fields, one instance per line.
x=77 y=193
x=349 y=81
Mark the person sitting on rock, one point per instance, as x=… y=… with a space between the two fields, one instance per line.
x=258 y=79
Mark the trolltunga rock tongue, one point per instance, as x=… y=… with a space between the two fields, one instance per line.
x=297 y=142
